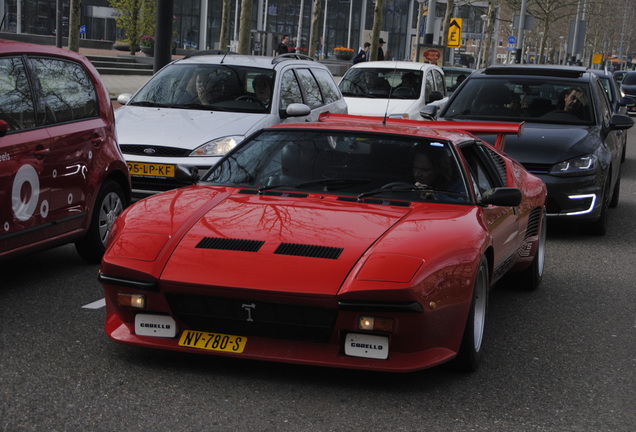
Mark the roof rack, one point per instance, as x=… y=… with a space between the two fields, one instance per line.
x=210 y=52
x=291 y=56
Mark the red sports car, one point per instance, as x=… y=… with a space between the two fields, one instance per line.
x=352 y=242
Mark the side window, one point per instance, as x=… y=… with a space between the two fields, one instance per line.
x=440 y=85
x=65 y=91
x=310 y=88
x=289 y=90
x=480 y=171
x=16 y=99
x=604 y=107
x=327 y=85
x=430 y=85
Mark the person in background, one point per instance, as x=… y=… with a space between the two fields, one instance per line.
x=380 y=50
x=362 y=55
x=282 y=46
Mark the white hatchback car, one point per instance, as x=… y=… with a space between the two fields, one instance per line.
x=196 y=109
x=395 y=89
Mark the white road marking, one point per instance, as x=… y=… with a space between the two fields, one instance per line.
x=95 y=305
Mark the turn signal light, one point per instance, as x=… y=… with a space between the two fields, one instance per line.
x=137 y=301
x=370 y=323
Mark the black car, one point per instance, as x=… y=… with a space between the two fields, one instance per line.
x=620 y=104
x=628 y=87
x=571 y=138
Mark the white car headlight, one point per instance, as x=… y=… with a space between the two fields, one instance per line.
x=578 y=166
x=218 y=147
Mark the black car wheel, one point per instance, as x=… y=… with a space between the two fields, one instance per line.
x=599 y=227
x=617 y=193
x=110 y=203
x=472 y=341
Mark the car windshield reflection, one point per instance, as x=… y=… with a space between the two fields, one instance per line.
x=344 y=163
x=209 y=87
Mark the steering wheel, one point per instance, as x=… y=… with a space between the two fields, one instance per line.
x=250 y=98
x=396 y=184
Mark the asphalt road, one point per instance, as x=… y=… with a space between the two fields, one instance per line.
x=562 y=359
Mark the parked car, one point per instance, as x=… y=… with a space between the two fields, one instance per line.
x=455 y=76
x=620 y=104
x=395 y=89
x=345 y=243
x=619 y=75
x=195 y=109
x=577 y=154
x=62 y=176
x=628 y=88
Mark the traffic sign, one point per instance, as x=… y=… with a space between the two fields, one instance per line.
x=512 y=40
x=455 y=33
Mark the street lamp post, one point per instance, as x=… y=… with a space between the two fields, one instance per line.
x=484 y=18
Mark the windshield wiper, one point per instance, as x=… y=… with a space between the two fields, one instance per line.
x=341 y=182
x=410 y=188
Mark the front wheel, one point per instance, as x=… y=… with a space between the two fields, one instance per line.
x=110 y=203
x=530 y=278
x=472 y=340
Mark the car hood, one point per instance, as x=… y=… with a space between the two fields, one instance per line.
x=628 y=88
x=181 y=128
x=308 y=244
x=542 y=143
x=378 y=107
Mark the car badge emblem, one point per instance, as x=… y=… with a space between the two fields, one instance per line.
x=248 y=308
x=149 y=151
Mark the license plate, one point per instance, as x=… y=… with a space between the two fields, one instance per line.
x=150 y=170
x=212 y=341
x=368 y=346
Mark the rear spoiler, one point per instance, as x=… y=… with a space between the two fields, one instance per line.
x=474 y=128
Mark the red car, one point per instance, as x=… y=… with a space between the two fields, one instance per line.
x=353 y=242
x=62 y=176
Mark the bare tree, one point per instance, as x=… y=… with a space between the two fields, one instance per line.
x=245 y=28
x=73 y=25
x=313 y=35
x=224 y=36
x=377 y=26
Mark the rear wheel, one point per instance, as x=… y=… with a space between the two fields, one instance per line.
x=110 y=203
x=471 y=347
x=530 y=278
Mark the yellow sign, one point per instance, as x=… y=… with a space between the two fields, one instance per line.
x=455 y=33
x=597 y=59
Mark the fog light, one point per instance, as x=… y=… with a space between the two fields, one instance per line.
x=370 y=323
x=132 y=300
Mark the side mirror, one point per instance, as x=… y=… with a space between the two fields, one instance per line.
x=429 y=112
x=435 y=96
x=627 y=101
x=621 y=122
x=124 y=98
x=186 y=174
x=502 y=197
x=4 y=127
x=295 y=110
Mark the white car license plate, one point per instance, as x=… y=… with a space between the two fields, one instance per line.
x=368 y=346
x=155 y=325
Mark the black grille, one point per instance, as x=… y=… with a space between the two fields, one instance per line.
x=246 y=317
x=533 y=222
x=230 y=244
x=537 y=168
x=150 y=150
x=309 y=251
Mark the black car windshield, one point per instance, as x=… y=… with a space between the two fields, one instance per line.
x=382 y=83
x=629 y=78
x=522 y=99
x=209 y=87
x=351 y=164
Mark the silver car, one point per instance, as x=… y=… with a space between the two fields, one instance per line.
x=196 y=109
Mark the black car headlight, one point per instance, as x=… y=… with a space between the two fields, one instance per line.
x=578 y=166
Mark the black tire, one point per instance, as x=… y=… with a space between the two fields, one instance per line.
x=111 y=201
x=472 y=341
x=530 y=278
x=616 y=194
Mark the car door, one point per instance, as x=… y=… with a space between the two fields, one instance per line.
x=24 y=183
x=502 y=222
x=68 y=106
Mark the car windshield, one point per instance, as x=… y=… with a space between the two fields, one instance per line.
x=350 y=164
x=209 y=87
x=537 y=100
x=382 y=83
x=454 y=78
x=630 y=78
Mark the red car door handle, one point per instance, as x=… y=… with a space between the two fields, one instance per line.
x=41 y=152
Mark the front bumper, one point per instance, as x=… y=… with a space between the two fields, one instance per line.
x=573 y=198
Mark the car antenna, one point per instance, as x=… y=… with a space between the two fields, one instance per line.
x=386 y=111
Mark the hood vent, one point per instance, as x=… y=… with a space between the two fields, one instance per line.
x=376 y=201
x=230 y=244
x=309 y=251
